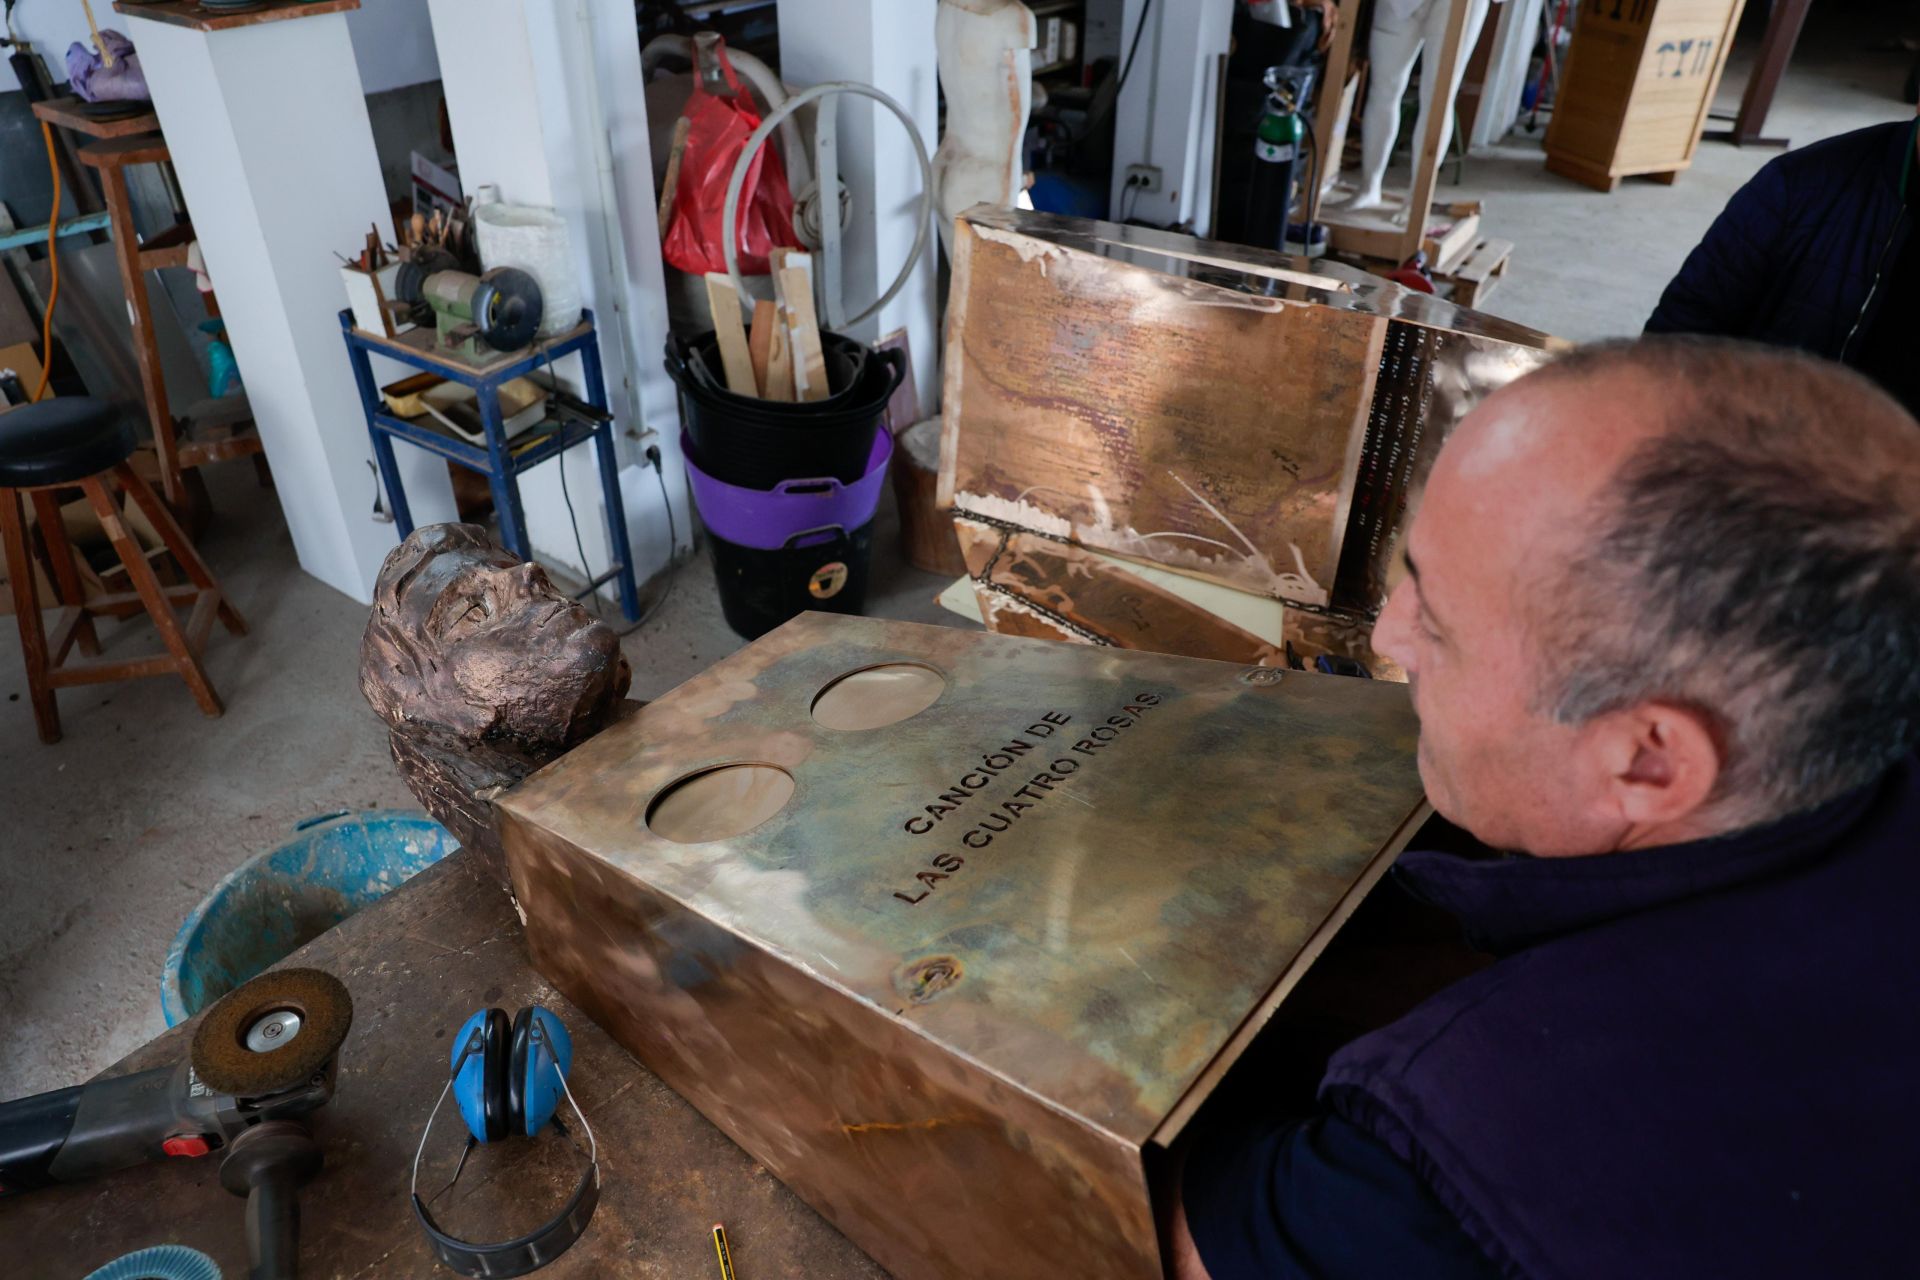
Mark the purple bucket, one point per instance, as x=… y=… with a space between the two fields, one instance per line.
x=767 y=519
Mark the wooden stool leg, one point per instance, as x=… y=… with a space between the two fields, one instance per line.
x=178 y=543
x=146 y=351
x=26 y=608
x=53 y=531
x=158 y=607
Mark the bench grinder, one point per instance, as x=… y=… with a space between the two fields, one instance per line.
x=474 y=316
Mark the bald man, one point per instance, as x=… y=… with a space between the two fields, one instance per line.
x=1662 y=622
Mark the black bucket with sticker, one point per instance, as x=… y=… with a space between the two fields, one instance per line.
x=821 y=569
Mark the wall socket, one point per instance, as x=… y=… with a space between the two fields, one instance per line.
x=1144 y=177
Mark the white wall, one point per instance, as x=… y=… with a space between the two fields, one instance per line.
x=392 y=39
x=534 y=89
x=1168 y=112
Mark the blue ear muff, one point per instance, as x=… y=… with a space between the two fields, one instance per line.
x=479 y=1063
x=508 y=1079
x=540 y=1058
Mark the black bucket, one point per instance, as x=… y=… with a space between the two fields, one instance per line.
x=759 y=444
x=822 y=569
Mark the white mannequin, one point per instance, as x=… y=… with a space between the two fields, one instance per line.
x=1401 y=30
x=986 y=71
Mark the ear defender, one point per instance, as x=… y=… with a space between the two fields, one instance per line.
x=480 y=1071
x=540 y=1057
x=508 y=1078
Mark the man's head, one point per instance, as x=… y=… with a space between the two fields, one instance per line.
x=467 y=640
x=1660 y=590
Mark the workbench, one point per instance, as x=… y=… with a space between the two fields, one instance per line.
x=417 y=964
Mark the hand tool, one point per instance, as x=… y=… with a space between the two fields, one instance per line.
x=263 y=1057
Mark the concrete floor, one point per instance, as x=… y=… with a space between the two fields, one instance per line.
x=112 y=836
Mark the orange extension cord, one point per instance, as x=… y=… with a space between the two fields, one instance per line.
x=53 y=259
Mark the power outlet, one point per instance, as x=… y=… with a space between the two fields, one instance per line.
x=1144 y=177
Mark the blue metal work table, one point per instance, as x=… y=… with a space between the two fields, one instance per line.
x=500 y=460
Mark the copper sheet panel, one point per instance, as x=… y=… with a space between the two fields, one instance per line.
x=985 y=956
x=1218 y=410
x=1031 y=585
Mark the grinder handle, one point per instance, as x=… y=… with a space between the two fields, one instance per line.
x=268 y=1164
x=273 y=1225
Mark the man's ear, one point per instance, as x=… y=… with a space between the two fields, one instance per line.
x=1661 y=762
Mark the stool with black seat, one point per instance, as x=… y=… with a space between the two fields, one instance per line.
x=84 y=443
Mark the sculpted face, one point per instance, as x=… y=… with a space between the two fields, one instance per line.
x=466 y=638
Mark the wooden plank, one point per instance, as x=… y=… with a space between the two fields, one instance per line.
x=731 y=334
x=793 y=285
x=766 y=318
x=1458 y=228
x=671 y=183
x=194 y=15
x=125 y=149
x=779 y=359
x=1330 y=125
x=1154 y=417
x=70 y=113
x=1426 y=168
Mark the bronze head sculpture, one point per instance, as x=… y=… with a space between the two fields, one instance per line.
x=483 y=672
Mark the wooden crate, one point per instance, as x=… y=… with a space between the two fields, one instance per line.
x=1640 y=77
x=1478 y=272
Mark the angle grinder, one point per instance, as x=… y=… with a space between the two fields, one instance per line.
x=263 y=1057
x=474 y=316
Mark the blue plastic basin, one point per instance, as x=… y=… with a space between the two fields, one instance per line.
x=280 y=900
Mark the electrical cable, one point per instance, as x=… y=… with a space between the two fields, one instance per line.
x=1126 y=69
x=1146 y=11
x=53 y=268
x=673 y=538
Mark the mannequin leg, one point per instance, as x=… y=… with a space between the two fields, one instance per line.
x=1391 y=49
x=1434 y=32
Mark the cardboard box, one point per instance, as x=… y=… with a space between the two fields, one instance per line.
x=962 y=977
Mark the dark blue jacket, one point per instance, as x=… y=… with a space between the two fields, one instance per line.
x=1696 y=1060
x=1794 y=258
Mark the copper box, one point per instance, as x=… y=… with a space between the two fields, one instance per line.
x=985 y=959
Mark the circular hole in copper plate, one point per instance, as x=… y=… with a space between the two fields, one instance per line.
x=716 y=803
x=875 y=697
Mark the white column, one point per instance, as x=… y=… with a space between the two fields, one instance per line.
x=888 y=44
x=1168 y=113
x=547 y=104
x=268 y=129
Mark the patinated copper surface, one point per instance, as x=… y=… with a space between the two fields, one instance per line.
x=483 y=672
x=985 y=957
x=1220 y=411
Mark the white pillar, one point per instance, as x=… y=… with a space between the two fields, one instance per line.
x=546 y=103
x=1168 y=113
x=268 y=129
x=888 y=44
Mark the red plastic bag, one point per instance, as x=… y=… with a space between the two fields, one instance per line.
x=717 y=131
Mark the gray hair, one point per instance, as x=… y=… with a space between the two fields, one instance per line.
x=1757 y=561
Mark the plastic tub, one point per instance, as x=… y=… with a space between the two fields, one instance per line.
x=821 y=569
x=759 y=448
x=764 y=519
x=277 y=901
